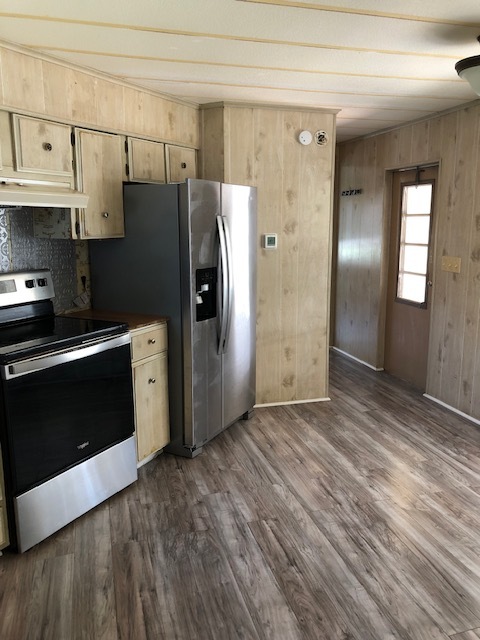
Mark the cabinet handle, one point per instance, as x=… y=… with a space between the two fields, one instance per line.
x=105 y=214
x=151 y=341
x=151 y=381
x=184 y=165
x=47 y=146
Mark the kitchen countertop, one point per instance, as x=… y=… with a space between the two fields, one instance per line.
x=133 y=320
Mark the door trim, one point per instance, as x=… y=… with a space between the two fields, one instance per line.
x=387 y=205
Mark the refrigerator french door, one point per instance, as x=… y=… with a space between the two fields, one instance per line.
x=189 y=253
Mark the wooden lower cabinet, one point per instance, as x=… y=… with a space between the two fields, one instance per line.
x=150 y=381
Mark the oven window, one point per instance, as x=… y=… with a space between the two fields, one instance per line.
x=60 y=416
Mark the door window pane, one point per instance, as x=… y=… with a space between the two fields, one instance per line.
x=412 y=287
x=418 y=199
x=414 y=241
x=417 y=229
x=415 y=259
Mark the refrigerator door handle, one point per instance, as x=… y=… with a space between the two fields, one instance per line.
x=224 y=286
x=228 y=245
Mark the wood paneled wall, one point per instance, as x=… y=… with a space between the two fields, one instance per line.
x=260 y=147
x=454 y=350
x=41 y=86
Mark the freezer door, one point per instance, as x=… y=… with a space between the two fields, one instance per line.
x=199 y=208
x=239 y=208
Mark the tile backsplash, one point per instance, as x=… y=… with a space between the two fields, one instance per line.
x=20 y=249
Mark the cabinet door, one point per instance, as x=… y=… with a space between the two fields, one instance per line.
x=100 y=163
x=181 y=163
x=42 y=146
x=146 y=160
x=151 y=405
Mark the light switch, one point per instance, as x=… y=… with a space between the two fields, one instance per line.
x=452 y=264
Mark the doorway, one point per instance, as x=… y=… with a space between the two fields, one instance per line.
x=409 y=283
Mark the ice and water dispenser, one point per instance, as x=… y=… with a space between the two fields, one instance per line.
x=206 y=288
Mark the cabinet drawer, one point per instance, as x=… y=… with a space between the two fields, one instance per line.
x=149 y=342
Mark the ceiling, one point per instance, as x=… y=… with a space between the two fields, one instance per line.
x=380 y=68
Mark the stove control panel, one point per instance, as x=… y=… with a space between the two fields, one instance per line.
x=19 y=287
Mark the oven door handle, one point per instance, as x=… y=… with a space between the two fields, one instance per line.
x=47 y=361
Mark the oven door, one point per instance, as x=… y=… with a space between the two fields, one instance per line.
x=64 y=407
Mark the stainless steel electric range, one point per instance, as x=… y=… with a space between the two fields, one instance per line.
x=66 y=409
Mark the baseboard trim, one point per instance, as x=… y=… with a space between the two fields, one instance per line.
x=450 y=408
x=281 y=404
x=348 y=355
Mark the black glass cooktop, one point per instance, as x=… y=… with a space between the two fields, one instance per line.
x=48 y=334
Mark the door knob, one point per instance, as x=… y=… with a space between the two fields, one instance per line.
x=429 y=283
x=151 y=381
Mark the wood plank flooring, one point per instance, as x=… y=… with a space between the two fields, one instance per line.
x=355 y=519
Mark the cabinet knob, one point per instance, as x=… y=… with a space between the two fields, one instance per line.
x=47 y=146
x=151 y=341
x=184 y=165
x=151 y=381
x=105 y=214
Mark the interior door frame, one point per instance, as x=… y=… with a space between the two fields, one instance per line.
x=387 y=206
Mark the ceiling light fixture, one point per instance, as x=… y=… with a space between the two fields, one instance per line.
x=469 y=69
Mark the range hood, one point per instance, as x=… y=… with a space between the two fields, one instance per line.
x=33 y=193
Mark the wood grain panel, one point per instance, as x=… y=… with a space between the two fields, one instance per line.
x=134 y=109
x=40 y=86
x=456 y=389
x=296 y=160
x=269 y=162
x=294 y=200
x=436 y=350
x=314 y=250
x=452 y=140
x=212 y=151
x=109 y=105
x=69 y=95
x=420 y=138
x=22 y=79
x=240 y=136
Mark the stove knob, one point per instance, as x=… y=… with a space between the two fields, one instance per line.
x=42 y=282
x=29 y=284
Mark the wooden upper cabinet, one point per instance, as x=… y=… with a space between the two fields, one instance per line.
x=146 y=160
x=100 y=169
x=181 y=163
x=42 y=147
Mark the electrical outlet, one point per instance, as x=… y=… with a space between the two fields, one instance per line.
x=449 y=263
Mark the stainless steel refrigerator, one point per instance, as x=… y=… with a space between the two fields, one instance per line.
x=189 y=253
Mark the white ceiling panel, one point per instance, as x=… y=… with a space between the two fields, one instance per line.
x=380 y=64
